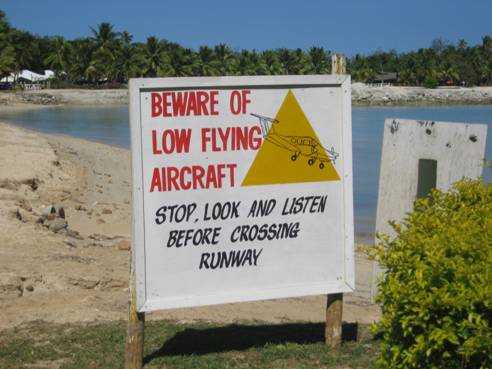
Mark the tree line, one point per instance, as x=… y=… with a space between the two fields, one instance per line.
x=112 y=57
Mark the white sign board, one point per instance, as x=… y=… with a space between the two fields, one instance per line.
x=242 y=188
x=418 y=155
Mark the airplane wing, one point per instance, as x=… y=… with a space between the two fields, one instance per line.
x=282 y=142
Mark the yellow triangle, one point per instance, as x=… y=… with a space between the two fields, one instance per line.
x=291 y=152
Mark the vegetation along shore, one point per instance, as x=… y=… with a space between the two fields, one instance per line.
x=109 y=57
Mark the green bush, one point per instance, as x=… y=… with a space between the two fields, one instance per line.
x=436 y=293
x=431 y=82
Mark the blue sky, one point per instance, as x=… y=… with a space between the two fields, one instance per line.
x=348 y=26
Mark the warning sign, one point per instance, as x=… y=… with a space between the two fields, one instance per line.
x=242 y=188
x=291 y=151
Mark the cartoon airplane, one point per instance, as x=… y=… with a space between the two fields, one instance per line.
x=298 y=145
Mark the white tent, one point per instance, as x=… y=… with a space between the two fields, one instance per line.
x=27 y=75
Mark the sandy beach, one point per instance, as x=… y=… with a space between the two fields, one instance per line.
x=72 y=265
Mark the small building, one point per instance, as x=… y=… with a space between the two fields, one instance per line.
x=27 y=79
x=385 y=78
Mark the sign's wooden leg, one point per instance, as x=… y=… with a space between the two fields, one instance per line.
x=135 y=334
x=334 y=303
x=333 y=329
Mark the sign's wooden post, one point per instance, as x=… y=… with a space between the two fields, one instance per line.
x=333 y=329
x=338 y=64
x=136 y=324
x=334 y=302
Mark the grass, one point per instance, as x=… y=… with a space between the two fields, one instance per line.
x=172 y=345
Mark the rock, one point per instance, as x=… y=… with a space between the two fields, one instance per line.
x=39 y=98
x=100 y=221
x=80 y=208
x=70 y=243
x=124 y=245
x=102 y=237
x=107 y=211
x=8 y=184
x=47 y=210
x=19 y=214
x=51 y=212
x=57 y=225
x=60 y=211
x=87 y=284
x=29 y=288
x=33 y=183
x=50 y=217
x=24 y=204
x=111 y=284
x=97 y=237
x=10 y=285
x=74 y=234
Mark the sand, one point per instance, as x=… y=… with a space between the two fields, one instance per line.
x=80 y=273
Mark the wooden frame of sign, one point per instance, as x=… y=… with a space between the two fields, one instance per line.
x=242 y=189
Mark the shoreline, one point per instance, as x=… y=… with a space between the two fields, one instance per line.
x=362 y=96
x=74 y=268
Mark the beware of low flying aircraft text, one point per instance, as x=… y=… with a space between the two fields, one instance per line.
x=174 y=141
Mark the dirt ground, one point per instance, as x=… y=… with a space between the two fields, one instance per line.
x=72 y=265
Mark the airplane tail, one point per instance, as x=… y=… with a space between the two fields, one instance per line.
x=266 y=124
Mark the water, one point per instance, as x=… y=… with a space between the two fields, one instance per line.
x=110 y=125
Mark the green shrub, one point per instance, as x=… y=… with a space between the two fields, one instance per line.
x=431 y=82
x=436 y=293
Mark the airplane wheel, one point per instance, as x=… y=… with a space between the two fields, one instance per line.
x=321 y=165
x=311 y=161
x=293 y=158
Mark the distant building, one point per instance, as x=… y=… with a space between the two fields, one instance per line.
x=385 y=78
x=27 y=79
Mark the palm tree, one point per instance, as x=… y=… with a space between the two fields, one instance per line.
x=80 y=60
x=26 y=48
x=448 y=72
x=250 y=63
x=59 y=56
x=318 y=61
x=180 y=62
x=128 y=58
x=225 y=59
x=271 y=62
x=407 y=77
x=153 y=55
x=244 y=64
x=485 y=72
x=104 y=35
x=7 y=51
x=293 y=61
x=126 y=37
x=106 y=42
x=130 y=62
x=208 y=64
